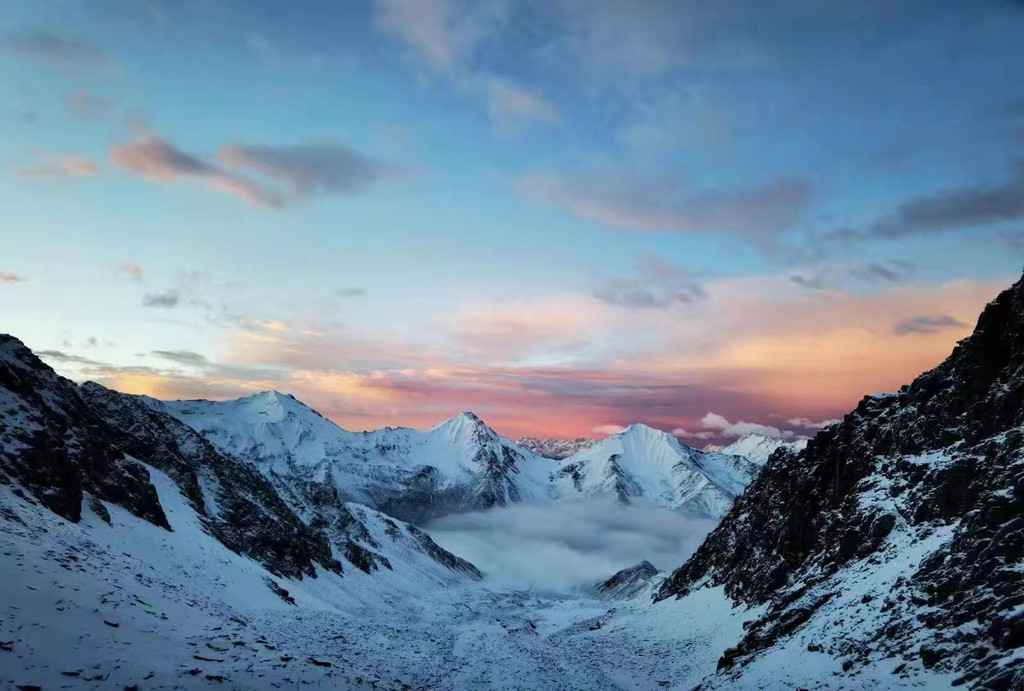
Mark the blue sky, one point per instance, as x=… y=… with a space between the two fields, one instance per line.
x=566 y=215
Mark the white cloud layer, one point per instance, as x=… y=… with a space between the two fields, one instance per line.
x=566 y=545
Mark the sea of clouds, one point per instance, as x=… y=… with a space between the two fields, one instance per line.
x=564 y=546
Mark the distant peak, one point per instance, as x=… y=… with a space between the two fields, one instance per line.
x=270 y=396
x=639 y=428
x=464 y=417
x=464 y=420
x=272 y=399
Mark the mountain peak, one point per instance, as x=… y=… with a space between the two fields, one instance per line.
x=639 y=428
x=272 y=399
x=465 y=418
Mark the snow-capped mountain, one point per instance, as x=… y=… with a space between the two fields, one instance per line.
x=459 y=465
x=758 y=447
x=644 y=462
x=892 y=546
x=66 y=446
x=556 y=449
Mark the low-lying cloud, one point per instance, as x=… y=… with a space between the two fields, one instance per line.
x=562 y=546
x=715 y=425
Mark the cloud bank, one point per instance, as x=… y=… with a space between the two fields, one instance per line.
x=562 y=546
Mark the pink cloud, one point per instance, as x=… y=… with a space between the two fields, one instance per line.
x=159 y=160
x=757 y=356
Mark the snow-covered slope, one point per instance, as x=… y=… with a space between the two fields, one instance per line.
x=758 y=447
x=649 y=463
x=458 y=465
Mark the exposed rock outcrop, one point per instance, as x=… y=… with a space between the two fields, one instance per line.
x=937 y=469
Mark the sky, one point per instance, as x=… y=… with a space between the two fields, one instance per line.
x=566 y=216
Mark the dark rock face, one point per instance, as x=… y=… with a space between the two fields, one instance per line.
x=56 y=447
x=496 y=485
x=943 y=455
x=61 y=440
x=441 y=555
x=628 y=581
x=556 y=449
x=625 y=485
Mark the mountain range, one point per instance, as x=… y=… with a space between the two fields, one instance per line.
x=255 y=543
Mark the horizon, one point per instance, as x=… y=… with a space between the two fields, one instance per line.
x=595 y=435
x=567 y=217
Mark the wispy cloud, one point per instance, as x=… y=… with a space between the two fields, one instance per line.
x=892 y=272
x=68 y=358
x=811 y=424
x=62 y=167
x=927 y=324
x=182 y=357
x=612 y=42
x=86 y=106
x=166 y=299
x=627 y=201
x=290 y=172
x=515 y=332
x=962 y=207
x=128 y=270
x=159 y=160
x=512 y=107
x=440 y=33
x=307 y=169
x=443 y=36
x=657 y=286
x=70 y=52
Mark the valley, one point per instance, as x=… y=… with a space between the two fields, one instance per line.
x=253 y=543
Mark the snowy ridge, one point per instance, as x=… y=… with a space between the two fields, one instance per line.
x=645 y=462
x=458 y=465
x=758 y=447
x=556 y=449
